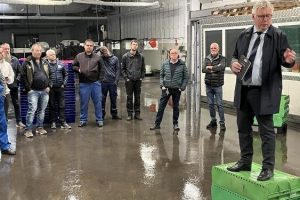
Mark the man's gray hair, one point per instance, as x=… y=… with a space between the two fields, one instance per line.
x=262 y=4
x=50 y=51
x=36 y=45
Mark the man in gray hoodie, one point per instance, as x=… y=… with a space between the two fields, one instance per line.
x=110 y=81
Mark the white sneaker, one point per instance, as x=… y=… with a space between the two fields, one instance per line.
x=20 y=125
x=41 y=131
x=65 y=126
x=28 y=134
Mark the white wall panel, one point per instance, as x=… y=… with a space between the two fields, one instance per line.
x=166 y=22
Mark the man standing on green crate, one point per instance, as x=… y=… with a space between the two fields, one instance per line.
x=258 y=91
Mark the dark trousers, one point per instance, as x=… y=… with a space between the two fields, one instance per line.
x=57 y=104
x=165 y=95
x=250 y=108
x=112 y=89
x=14 y=95
x=133 y=88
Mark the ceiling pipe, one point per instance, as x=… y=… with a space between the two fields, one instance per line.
x=118 y=4
x=38 y=2
x=53 y=17
x=68 y=2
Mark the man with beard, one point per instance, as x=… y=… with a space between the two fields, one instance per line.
x=14 y=87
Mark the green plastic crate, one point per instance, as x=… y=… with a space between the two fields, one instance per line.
x=278 y=121
x=282 y=186
x=219 y=193
x=280 y=118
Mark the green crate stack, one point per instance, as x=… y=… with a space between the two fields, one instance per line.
x=219 y=193
x=280 y=118
x=244 y=186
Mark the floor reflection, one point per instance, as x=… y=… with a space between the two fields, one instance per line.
x=125 y=160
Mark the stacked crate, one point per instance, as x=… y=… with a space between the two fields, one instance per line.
x=280 y=118
x=228 y=185
x=70 y=98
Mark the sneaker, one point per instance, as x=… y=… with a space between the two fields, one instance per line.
x=20 y=125
x=53 y=125
x=129 y=118
x=176 y=128
x=100 y=123
x=82 y=124
x=9 y=151
x=28 y=134
x=65 y=126
x=41 y=131
x=155 y=127
x=222 y=127
x=212 y=124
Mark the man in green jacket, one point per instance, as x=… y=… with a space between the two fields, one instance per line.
x=173 y=80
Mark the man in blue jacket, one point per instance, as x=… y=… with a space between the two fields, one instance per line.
x=173 y=80
x=59 y=78
x=110 y=81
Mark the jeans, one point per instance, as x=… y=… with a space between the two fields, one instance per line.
x=57 y=102
x=37 y=101
x=4 y=143
x=165 y=95
x=133 y=88
x=112 y=89
x=215 y=94
x=87 y=91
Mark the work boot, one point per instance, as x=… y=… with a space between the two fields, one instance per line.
x=222 y=127
x=212 y=124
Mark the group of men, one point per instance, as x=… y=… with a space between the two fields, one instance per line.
x=256 y=94
x=100 y=74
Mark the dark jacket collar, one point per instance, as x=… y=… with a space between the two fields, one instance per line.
x=270 y=32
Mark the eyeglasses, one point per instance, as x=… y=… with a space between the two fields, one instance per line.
x=262 y=17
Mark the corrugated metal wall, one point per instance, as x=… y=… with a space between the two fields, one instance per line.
x=166 y=22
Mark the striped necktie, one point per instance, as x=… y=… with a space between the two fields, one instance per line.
x=248 y=75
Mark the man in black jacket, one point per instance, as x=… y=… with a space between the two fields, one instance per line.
x=59 y=79
x=89 y=67
x=258 y=93
x=133 y=71
x=35 y=77
x=14 y=87
x=214 y=67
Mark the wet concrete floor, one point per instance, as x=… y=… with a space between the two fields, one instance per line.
x=126 y=161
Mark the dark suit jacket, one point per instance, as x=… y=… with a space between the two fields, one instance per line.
x=275 y=43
